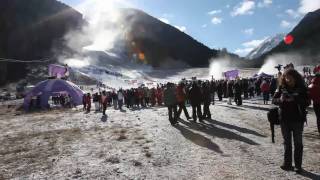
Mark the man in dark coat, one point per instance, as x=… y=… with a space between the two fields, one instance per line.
x=170 y=100
x=245 y=88
x=195 y=100
x=273 y=86
x=230 y=91
x=206 y=100
x=237 y=92
x=225 y=88
x=220 y=90
x=213 y=89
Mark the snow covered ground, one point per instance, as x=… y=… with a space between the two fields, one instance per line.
x=141 y=144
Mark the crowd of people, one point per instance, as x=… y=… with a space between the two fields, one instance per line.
x=195 y=93
x=290 y=90
x=64 y=100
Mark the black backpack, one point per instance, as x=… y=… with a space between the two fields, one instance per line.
x=273 y=118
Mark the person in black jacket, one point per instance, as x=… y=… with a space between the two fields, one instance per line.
x=258 y=84
x=95 y=100
x=245 y=87
x=213 y=89
x=170 y=100
x=220 y=90
x=292 y=98
x=273 y=86
x=238 y=92
x=230 y=91
x=225 y=88
x=195 y=100
x=206 y=95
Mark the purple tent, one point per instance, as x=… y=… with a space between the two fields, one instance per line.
x=51 y=87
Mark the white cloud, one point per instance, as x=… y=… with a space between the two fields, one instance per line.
x=243 y=52
x=167 y=15
x=293 y=13
x=268 y=2
x=213 y=12
x=164 y=20
x=204 y=26
x=286 y=24
x=265 y=3
x=181 y=28
x=228 y=6
x=249 y=31
x=249 y=46
x=308 y=6
x=245 y=7
x=216 y=20
x=253 y=43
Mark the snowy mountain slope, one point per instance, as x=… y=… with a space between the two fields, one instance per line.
x=118 y=71
x=265 y=46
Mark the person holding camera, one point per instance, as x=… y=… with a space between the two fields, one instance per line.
x=292 y=98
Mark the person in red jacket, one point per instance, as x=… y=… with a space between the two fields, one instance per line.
x=159 y=96
x=88 y=102
x=316 y=70
x=104 y=102
x=181 y=99
x=153 y=97
x=314 y=93
x=141 y=97
x=265 y=89
x=84 y=102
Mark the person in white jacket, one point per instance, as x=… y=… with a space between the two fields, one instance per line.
x=120 y=98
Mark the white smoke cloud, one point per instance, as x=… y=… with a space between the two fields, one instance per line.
x=104 y=27
x=103 y=18
x=283 y=59
x=218 y=66
x=77 y=63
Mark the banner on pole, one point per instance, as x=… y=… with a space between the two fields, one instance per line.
x=233 y=74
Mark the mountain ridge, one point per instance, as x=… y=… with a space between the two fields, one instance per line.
x=267 y=45
x=306 y=41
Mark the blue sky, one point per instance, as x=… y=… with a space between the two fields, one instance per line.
x=238 y=25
